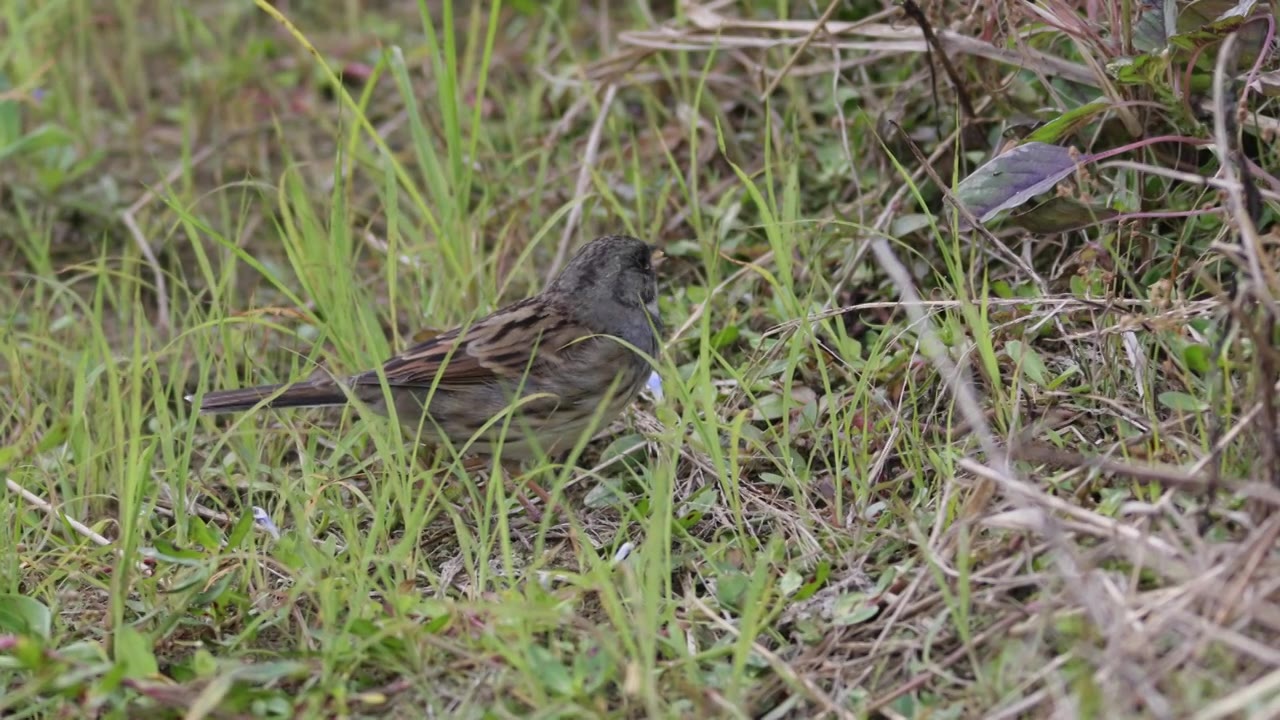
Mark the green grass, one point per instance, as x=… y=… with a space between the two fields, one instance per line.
x=898 y=469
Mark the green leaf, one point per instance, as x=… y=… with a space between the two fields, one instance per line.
x=266 y=672
x=1066 y=375
x=28 y=652
x=54 y=436
x=1028 y=361
x=241 y=530
x=1078 y=287
x=436 y=624
x=40 y=138
x=1181 y=401
x=190 y=580
x=205 y=535
x=731 y=587
x=1148 y=70
x=204 y=664
x=1070 y=121
x=606 y=493
x=790 y=582
x=550 y=671
x=1060 y=214
x=1196 y=357
x=1204 y=22
x=853 y=609
x=171 y=553
x=908 y=223
x=769 y=408
x=820 y=575
x=133 y=653
x=22 y=615
x=10 y=115
x=725 y=337
x=1149 y=33
x=214 y=591
x=624 y=448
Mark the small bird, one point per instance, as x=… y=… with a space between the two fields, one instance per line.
x=551 y=360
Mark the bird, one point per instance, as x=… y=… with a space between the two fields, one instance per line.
x=572 y=356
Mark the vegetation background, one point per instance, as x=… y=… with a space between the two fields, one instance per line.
x=899 y=467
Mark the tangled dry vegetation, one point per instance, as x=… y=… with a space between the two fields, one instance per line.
x=969 y=402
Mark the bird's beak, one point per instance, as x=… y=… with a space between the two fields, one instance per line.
x=657 y=257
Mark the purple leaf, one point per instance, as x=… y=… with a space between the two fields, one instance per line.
x=1013 y=178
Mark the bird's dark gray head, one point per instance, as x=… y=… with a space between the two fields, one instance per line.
x=614 y=268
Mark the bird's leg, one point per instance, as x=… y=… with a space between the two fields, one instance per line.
x=505 y=469
x=562 y=512
x=534 y=513
x=542 y=494
x=538 y=490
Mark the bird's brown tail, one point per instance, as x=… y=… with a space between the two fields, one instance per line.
x=295 y=396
